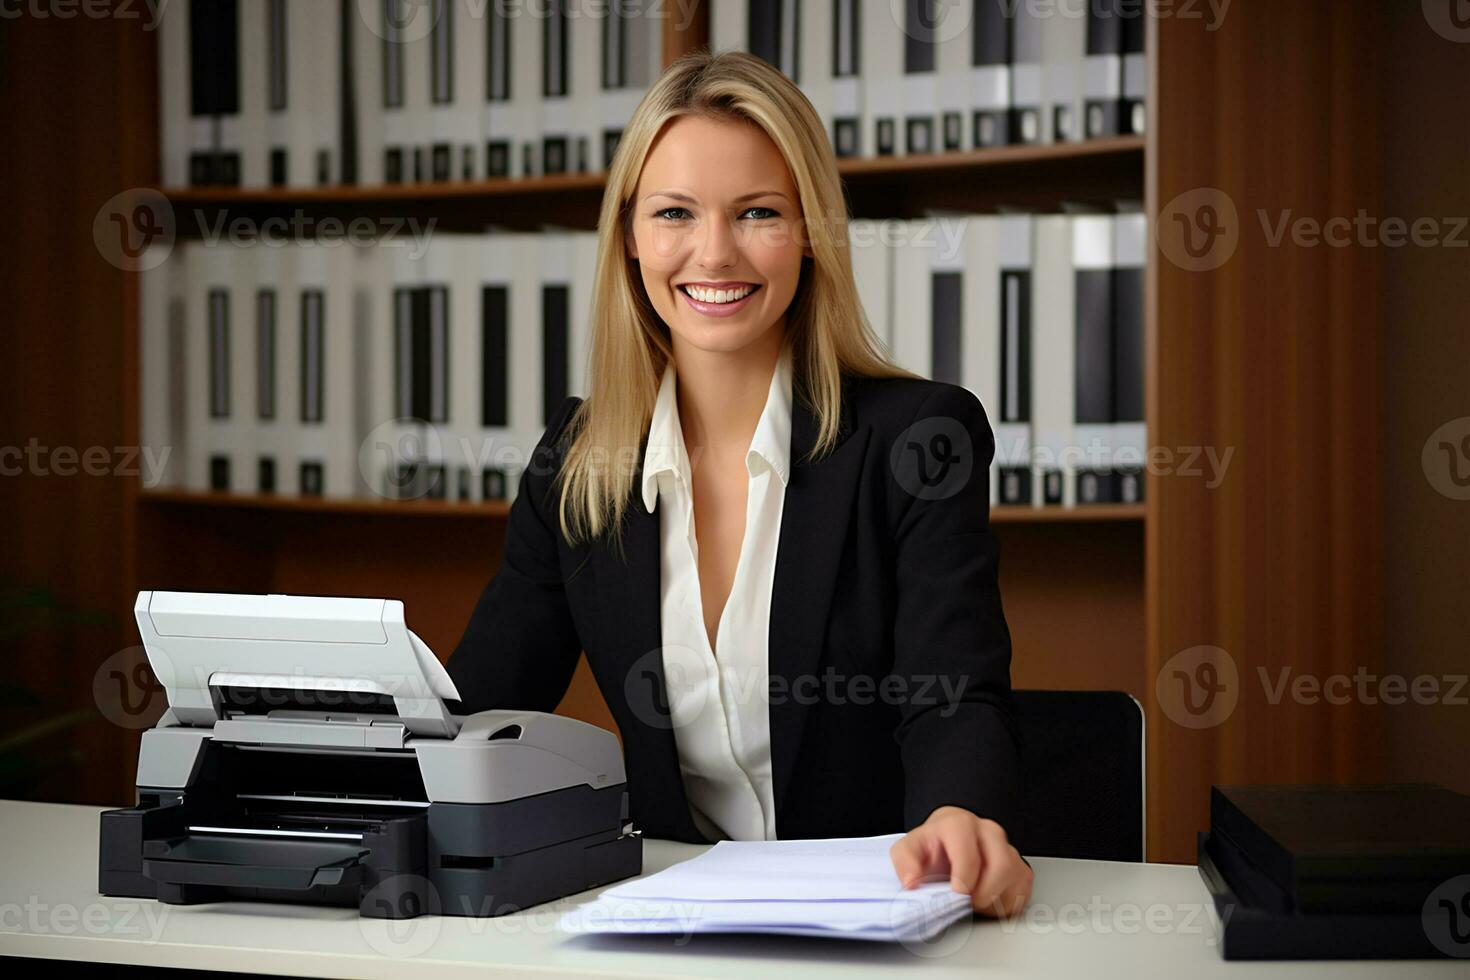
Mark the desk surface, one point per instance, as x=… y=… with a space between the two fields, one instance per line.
x=1088 y=918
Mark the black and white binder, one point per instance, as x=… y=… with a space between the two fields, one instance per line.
x=221 y=369
x=990 y=74
x=881 y=45
x=1054 y=413
x=1133 y=117
x=163 y=315
x=870 y=244
x=919 y=134
x=913 y=337
x=1130 y=436
x=1015 y=329
x=631 y=44
x=273 y=426
x=394 y=122
x=1027 y=27
x=559 y=110
x=980 y=347
x=497 y=277
x=1092 y=262
x=840 y=99
x=500 y=121
x=255 y=39
x=1063 y=47
x=1102 y=69
x=213 y=44
x=176 y=127
x=557 y=274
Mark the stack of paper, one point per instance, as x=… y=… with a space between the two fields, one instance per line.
x=844 y=888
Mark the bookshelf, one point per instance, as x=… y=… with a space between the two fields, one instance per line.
x=1275 y=353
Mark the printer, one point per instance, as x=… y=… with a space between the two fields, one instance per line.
x=307 y=755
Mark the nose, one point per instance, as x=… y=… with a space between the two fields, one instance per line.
x=718 y=249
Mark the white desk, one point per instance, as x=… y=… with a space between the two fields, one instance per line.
x=1089 y=919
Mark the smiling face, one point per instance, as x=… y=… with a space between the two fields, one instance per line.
x=717 y=232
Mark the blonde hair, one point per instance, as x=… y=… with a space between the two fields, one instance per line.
x=826 y=329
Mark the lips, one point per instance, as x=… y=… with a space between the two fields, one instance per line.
x=722 y=287
x=718 y=309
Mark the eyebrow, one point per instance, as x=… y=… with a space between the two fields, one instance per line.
x=742 y=198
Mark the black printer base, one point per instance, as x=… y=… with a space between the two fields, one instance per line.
x=448 y=859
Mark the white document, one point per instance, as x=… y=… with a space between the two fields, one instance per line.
x=842 y=888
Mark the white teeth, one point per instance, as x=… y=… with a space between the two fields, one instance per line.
x=718 y=295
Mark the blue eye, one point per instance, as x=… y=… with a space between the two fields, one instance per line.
x=664 y=213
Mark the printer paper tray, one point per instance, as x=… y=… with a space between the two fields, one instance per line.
x=253 y=862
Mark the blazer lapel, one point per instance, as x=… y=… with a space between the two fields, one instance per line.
x=630 y=614
x=814 y=521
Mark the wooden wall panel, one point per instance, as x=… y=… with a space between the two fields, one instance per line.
x=1272 y=355
x=80 y=121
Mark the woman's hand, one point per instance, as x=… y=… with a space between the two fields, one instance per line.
x=973 y=852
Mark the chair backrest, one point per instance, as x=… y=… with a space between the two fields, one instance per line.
x=1082 y=762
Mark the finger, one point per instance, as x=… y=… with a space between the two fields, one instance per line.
x=1001 y=864
x=909 y=858
x=963 y=850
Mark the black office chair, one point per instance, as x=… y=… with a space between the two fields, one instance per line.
x=1082 y=762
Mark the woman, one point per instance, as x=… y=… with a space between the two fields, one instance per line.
x=772 y=543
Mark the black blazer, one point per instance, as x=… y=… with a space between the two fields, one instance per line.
x=889 y=651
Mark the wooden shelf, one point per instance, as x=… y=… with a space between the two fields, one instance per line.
x=499 y=509
x=1095 y=513
x=1043 y=178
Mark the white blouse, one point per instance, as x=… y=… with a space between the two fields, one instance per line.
x=718 y=698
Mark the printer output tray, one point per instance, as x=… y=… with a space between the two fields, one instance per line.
x=289 y=864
